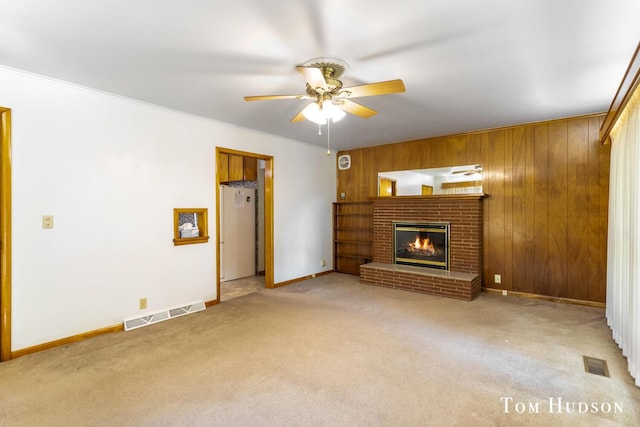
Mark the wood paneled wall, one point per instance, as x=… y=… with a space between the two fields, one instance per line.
x=545 y=217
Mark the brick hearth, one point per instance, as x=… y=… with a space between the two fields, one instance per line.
x=464 y=213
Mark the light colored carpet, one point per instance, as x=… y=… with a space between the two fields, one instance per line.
x=332 y=352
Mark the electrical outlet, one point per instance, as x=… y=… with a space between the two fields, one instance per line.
x=143 y=303
x=47 y=221
x=504 y=292
x=497 y=278
x=323 y=263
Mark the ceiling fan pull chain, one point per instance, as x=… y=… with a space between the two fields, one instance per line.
x=328 y=137
x=319 y=129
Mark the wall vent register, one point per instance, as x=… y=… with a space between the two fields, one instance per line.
x=162 y=315
x=344 y=162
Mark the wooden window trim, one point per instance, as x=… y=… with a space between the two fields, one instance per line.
x=203 y=226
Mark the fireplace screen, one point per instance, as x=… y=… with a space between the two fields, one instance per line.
x=422 y=244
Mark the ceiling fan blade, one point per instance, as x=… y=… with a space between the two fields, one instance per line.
x=355 y=108
x=299 y=117
x=314 y=77
x=469 y=171
x=270 y=97
x=373 y=89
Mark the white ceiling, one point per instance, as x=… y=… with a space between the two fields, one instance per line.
x=466 y=64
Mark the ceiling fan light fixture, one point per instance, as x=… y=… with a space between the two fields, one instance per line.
x=319 y=114
x=313 y=113
x=332 y=111
x=332 y=100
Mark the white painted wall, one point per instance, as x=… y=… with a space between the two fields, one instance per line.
x=111 y=170
x=408 y=183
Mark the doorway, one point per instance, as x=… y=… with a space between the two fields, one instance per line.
x=386 y=187
x=5 y=234
x=228 y=161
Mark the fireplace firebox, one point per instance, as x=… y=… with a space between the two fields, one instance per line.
x=421 y=244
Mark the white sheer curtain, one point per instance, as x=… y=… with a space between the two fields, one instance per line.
x=623 y=250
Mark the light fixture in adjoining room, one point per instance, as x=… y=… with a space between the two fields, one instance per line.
x=320 y=112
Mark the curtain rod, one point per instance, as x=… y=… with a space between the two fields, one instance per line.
x=629 y=84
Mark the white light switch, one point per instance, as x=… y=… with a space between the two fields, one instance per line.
x=497 y=278
x=47 y=221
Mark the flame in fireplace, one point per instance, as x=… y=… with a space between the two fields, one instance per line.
x=425 y=245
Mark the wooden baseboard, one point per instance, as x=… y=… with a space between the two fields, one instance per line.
x=301 y=279
x=546 y=298
x=79 y=337
x=68 y=340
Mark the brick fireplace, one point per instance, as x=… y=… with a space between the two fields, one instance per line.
x=463 y=213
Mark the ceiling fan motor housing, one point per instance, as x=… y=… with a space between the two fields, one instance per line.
x=331 y=67
x=334 y=86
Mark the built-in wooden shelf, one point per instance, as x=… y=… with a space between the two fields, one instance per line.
x=352 y=236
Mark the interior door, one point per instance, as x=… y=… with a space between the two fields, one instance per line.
x=387 y=187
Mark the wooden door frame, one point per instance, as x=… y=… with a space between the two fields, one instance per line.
x=5 y=234
x=268 y=215
x=392 y=183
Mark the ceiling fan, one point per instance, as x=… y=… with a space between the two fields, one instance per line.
x=330 y=99
x=471 y=170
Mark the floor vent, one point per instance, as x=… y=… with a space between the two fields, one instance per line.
x=596 y=366
x=160 y=316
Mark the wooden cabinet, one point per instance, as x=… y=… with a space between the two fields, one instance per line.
x=223 y=167
x=234 y=167
x=250 y=168
x=352 y=234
